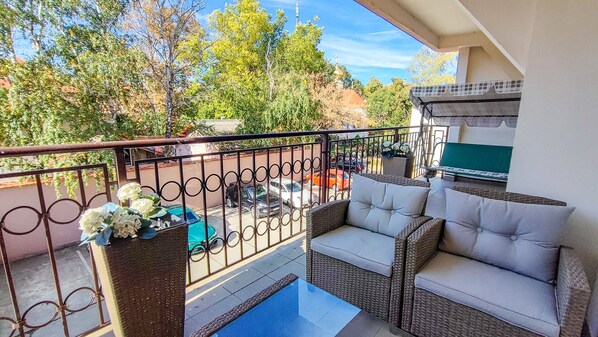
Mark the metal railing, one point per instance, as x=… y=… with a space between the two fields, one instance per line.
x=50 y=285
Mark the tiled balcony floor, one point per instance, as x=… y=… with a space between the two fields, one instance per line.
x=214 y=296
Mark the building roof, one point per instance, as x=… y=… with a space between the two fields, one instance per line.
x=4 y=83
x=352 y=99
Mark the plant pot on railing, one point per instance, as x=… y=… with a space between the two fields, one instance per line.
x=143 y=280
x=397 y=159
x=398 y=166
x=143 y=283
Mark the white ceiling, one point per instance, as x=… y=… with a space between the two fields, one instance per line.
x=443 y=17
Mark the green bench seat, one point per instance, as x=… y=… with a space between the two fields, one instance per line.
x=489 y=162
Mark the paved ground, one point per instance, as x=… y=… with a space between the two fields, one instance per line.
x=258 y=267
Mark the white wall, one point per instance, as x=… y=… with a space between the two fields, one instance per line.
x=507 y=23
x=480 y=67
x=556 y=144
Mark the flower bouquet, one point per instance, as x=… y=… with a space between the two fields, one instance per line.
x=398 y=149
x=136 y=273
x=110 y=221
x=397 y=159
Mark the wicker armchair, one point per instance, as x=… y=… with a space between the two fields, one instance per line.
x=371 y=291
x=428 y=314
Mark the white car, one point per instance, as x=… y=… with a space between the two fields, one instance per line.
x=291 y=192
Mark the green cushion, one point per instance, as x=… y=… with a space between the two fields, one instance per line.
x=489 y=158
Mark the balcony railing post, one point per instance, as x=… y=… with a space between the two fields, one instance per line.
x=396 y=137
x=121 y=166
x=324 y=153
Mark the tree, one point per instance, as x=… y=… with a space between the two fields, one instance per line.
x=357 y=86
x=390 y=105
x=371 y=87
x=431 y=68
x=161 y=28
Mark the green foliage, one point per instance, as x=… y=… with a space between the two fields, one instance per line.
x=389 y=105
x=293 y=107
x=371 y=87
x=431 y=68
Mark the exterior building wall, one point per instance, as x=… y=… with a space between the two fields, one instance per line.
x=480 y=67
x=556 y=148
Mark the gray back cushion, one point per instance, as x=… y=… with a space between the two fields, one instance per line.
x=524 y=238
x=384 y=208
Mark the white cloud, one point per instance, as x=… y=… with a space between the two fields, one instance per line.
x=386 y=35
x=365 y=53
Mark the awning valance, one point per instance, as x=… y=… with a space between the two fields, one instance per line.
x=485 y=104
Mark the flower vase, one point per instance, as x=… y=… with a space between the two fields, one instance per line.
x=143 y=283
x=398 y=166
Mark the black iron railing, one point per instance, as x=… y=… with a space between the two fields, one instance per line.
x=253 y=197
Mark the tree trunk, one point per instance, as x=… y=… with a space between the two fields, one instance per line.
x=169 y=102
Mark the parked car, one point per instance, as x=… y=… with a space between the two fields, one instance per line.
x=265 y=204
x=291 y=192
x=347 y=162
x=196 y=231
x=334 y=178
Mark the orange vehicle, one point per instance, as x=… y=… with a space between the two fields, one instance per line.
x=335 y=179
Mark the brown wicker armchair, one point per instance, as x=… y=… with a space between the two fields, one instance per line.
x=376 y=293
x=425 y=313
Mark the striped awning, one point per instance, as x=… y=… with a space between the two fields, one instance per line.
x=485 y=104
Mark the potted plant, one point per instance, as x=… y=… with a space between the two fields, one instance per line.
x=397 y=159
x=143 y=280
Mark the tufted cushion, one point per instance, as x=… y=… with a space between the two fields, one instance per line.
x=524 y=238
x=359 y=247
x=384 y=208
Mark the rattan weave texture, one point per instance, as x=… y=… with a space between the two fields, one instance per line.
x=375 y=293
x=426 y=314
x=148 y=284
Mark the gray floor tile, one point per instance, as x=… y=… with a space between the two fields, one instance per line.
x=300 y=259
x=191 y=326
x=254 y=288
x=216 y=310
x=293 y=250
x=241 y=279
x=270 y=262
x=291 y=267
x=206 y=300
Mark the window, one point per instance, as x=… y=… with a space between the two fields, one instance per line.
x=295 y=187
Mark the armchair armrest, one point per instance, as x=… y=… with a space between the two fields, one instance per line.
x=572 y=293
x=320 y=220
x=326 y=217
x=421 y=246
x=396 y=290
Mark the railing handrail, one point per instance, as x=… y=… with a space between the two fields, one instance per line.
x=19 y=151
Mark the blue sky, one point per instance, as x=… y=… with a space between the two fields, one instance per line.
x=365 y=43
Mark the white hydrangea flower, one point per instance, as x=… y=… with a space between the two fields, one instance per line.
x=387 y=143
x=91 y=221
x=124 y=224
x=396 y=146
x=130 y=191
x=143 y=206
x=405 y=148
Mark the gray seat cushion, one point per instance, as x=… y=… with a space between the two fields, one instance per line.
x=519 y=300
x=524 y=238
x=359 y=247
x=384 y=208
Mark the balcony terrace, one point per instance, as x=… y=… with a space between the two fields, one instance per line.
x=50 y=284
